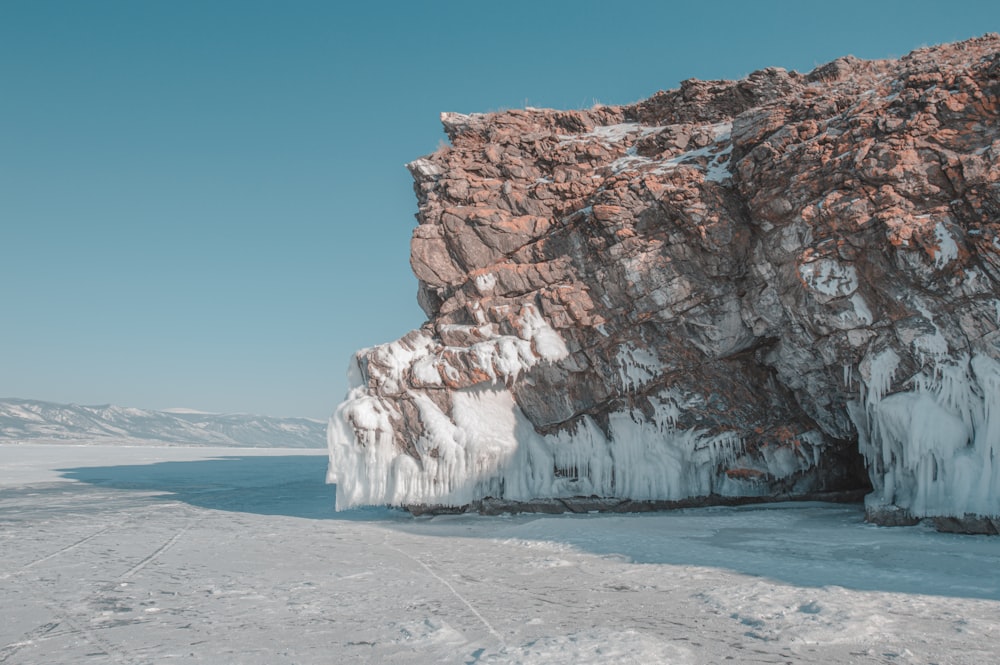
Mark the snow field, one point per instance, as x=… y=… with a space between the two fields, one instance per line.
x=130 y=555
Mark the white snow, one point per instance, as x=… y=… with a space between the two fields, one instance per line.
x=35 y=421
x=829 y=277
x=477 y=443
x=425 y=167
x=718 y=168
x=861 y=309
x=718 y=153
x=545 y=341
x=139 y=555
x=486 y=447
x=485 y=283
x=459 y=459
x=933 y=346
x=614 y=133
x=723 y=131
x=947 y=248
x=630 y=162
x=425 y=371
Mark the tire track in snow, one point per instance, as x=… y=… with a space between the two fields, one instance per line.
x=27 y=639
x=62 y=617
x=44 y=631
x=82 y=541
x=158 y=551
x=451 y=588
x=117 y=654
x=55 y=554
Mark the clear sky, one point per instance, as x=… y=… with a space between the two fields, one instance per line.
x=204 y=203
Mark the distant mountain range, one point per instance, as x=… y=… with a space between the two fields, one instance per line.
x=33 y=421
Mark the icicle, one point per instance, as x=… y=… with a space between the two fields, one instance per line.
x=933 y=449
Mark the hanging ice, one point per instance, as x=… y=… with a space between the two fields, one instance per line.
x=933 y=450
x=482 y=445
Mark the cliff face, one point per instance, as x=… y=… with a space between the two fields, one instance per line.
x=729 y=289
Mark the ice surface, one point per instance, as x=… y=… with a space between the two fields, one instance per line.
x=140 y=555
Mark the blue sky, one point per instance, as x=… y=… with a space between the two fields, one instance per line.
x=204 y=204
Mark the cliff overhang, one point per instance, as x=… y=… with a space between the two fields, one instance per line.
x=734 y=289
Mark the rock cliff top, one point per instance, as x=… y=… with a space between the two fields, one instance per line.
x=731 y=289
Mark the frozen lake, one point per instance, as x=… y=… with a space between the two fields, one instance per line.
x=200 y=555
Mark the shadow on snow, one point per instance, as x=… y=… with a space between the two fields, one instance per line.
x=804 y=544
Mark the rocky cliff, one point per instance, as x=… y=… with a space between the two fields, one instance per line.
x=732 y=289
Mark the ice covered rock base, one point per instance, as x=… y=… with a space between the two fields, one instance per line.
x=735 y=289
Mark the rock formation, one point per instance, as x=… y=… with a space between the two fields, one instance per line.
x=732 y=289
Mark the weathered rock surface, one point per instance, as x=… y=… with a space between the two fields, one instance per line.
x=736 y=288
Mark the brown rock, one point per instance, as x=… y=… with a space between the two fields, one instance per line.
x=736 y=288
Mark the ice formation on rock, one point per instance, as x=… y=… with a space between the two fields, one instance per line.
x=736 y=288
x=933 y=450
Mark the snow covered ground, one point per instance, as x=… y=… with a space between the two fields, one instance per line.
x=200 y=555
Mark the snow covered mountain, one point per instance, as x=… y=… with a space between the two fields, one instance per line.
x=33 y=421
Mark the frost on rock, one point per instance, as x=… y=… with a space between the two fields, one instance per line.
x=481 y=445
x=484 y=446
x=637 y=367
x=829 y=278
x=774 y=287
